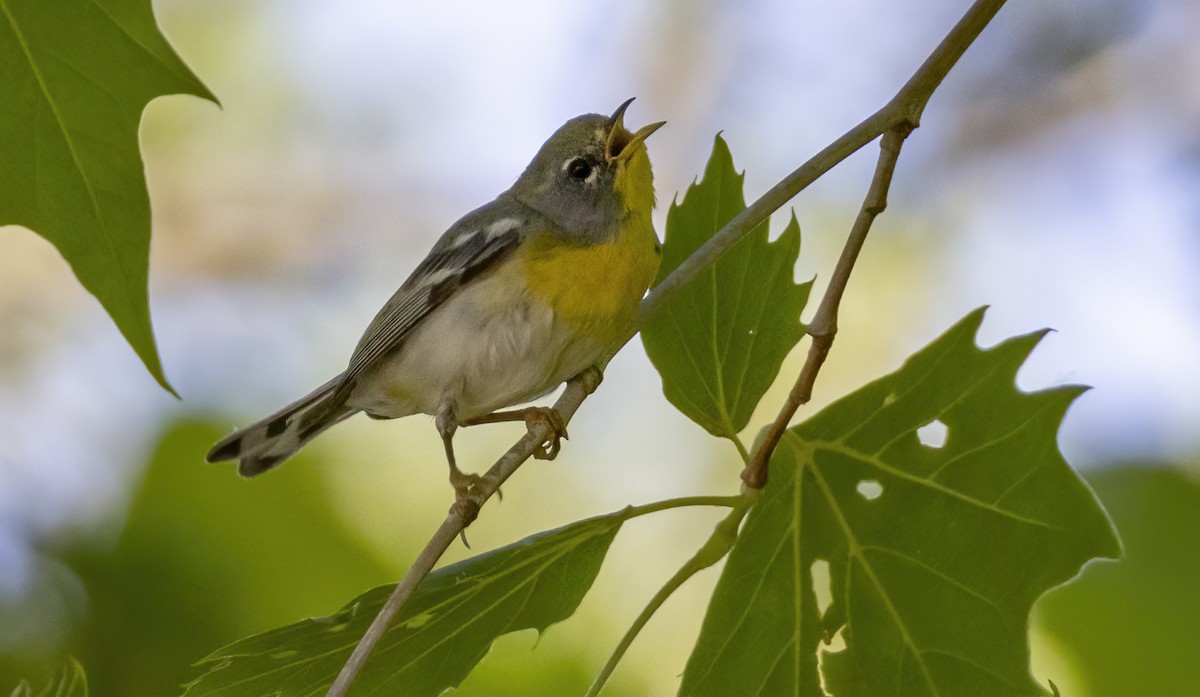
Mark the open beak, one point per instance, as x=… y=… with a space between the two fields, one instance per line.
x=621 y=143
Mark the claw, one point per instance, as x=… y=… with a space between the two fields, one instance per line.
x=466 y=506
x=464 y=484
x=532 y=416
x=549 y=417
x=466 y=497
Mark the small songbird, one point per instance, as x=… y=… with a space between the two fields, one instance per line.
x=514 y=299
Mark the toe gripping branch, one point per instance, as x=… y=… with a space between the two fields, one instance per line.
x=471 y=490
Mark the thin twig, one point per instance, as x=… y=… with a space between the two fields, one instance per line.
x=823 y=327
x=904 y=109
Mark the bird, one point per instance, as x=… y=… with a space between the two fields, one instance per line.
x=515 y=298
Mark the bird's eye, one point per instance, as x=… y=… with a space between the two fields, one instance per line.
x=579 y=169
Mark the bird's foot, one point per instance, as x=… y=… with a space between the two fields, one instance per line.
x=533 y=417
x=553 y=421
x=468 y=495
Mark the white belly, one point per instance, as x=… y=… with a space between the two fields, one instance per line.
x=490 y=346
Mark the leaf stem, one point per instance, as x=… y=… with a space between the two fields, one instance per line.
x=741 y=448
x=735 y=501
x=712 y=551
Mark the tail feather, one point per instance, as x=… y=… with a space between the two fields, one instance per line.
x=268 y=442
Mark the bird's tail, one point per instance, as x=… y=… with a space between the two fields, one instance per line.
x=265 y=444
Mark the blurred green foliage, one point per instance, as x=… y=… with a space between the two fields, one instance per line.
x=70 y=681
x=1132 y=627
x=207 y=557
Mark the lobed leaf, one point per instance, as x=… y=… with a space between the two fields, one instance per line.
x=718 y=342
x=935 y=552
x=76 y=75
x=445 y=629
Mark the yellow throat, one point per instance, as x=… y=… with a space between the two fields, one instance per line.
x=596 y=288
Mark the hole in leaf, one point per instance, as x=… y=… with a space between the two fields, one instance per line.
x=933 y=434
x=870 y=489
x=838 y=642
x=822 y=584
x=836 y=646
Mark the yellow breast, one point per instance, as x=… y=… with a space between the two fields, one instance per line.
x=596 y=288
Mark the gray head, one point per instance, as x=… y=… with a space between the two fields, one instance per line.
x=590 y=175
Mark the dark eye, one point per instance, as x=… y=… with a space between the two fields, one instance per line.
x=579 y=169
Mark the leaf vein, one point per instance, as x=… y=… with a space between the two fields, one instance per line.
x=936 y=486
x=942 y=575
x=855 y=551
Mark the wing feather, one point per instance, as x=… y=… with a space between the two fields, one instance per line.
x=470 y=247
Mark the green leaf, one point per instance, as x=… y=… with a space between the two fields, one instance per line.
x=935 y=553
x=445 y=629
x=1132 y=626
x=718 y=343
x=76 y=75
x=69 y=682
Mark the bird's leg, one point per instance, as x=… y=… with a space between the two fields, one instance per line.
x=532 y=416
x=464 y=484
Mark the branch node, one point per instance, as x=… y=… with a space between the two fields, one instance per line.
x=755 y=478
x=822 y=325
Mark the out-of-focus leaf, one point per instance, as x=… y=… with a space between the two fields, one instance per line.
x=445 y=629
x=718 y=343
x=1133 y=627
x=936 y=552
x=76 y=75
x=69 y=682
x=206 y=557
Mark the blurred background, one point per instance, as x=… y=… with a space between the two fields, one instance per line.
x=1056 y=177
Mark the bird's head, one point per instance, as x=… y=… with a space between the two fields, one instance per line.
x=591 y=175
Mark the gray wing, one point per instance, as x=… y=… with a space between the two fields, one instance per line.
x=471 y=246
